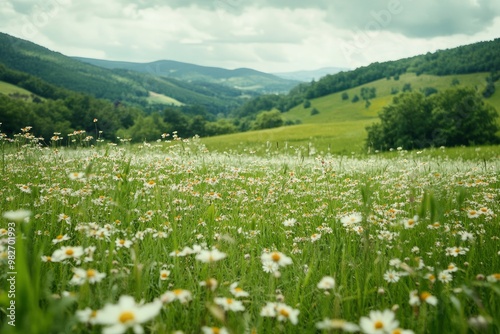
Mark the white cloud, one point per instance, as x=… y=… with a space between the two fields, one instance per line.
x=272 y=36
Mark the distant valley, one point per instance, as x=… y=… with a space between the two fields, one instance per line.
x=244 y=79
x=140 y=101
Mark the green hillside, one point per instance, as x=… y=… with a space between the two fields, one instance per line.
x=340 y=125
x=333 y=109
x=15 y=91
x=245 y=79
x=113 y=85
x=142 y=106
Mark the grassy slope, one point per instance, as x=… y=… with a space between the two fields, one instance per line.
x=163 y=99
x=343 y=136
x=333 y=109
x=6 y=89
x=340 y=125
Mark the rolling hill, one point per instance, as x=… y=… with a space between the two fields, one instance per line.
x=339 y=127
x=244 y=79
x=114 y=85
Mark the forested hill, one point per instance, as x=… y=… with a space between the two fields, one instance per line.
x=241 y=78
x=473 y=58
x=114 y=85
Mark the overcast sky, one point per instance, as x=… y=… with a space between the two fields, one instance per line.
x=267 y=35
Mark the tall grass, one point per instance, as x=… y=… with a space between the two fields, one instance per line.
x=382 y=226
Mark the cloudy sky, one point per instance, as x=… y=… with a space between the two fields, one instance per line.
x=267 y=35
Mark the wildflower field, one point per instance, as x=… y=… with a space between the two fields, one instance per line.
x=169 y=237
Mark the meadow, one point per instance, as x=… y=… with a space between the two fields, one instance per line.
x=171 y=237
x=340 y=125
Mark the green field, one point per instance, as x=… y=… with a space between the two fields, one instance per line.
x=8 y=89
x=173 y=238
x=156 y=98
x=335 y=137
x=341 y=125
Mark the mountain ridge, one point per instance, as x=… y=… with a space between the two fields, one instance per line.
x=240 y=78
x=113 y=85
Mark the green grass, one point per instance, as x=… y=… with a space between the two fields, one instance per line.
x=7 y=89
x=238 y=203
x=336 y=137
x=156 y=98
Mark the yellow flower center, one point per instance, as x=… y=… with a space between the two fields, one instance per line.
x=69 y=252
x=59 y=237
x=126 y=317
x=229 y=300
x=122 y=242
x=164 y=275
x=275 y=257
x=284 y=313
x=90 y=273
x=397 y=331
x=378 y=324
x=215 y=330
x=425 y=295
x=178 y=292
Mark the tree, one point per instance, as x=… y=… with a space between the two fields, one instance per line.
x=355 y=99
x=197 y=126
x=307 y=104
x=147 y=128
x=222 y=126
x=461 y=117
x=406 y=87
x=454 y=117
x=314 y=111
x=177 y=122
x=268 y=119
x=345 y=96
x=368 y=93
x=427 y=91
x=490 y=86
